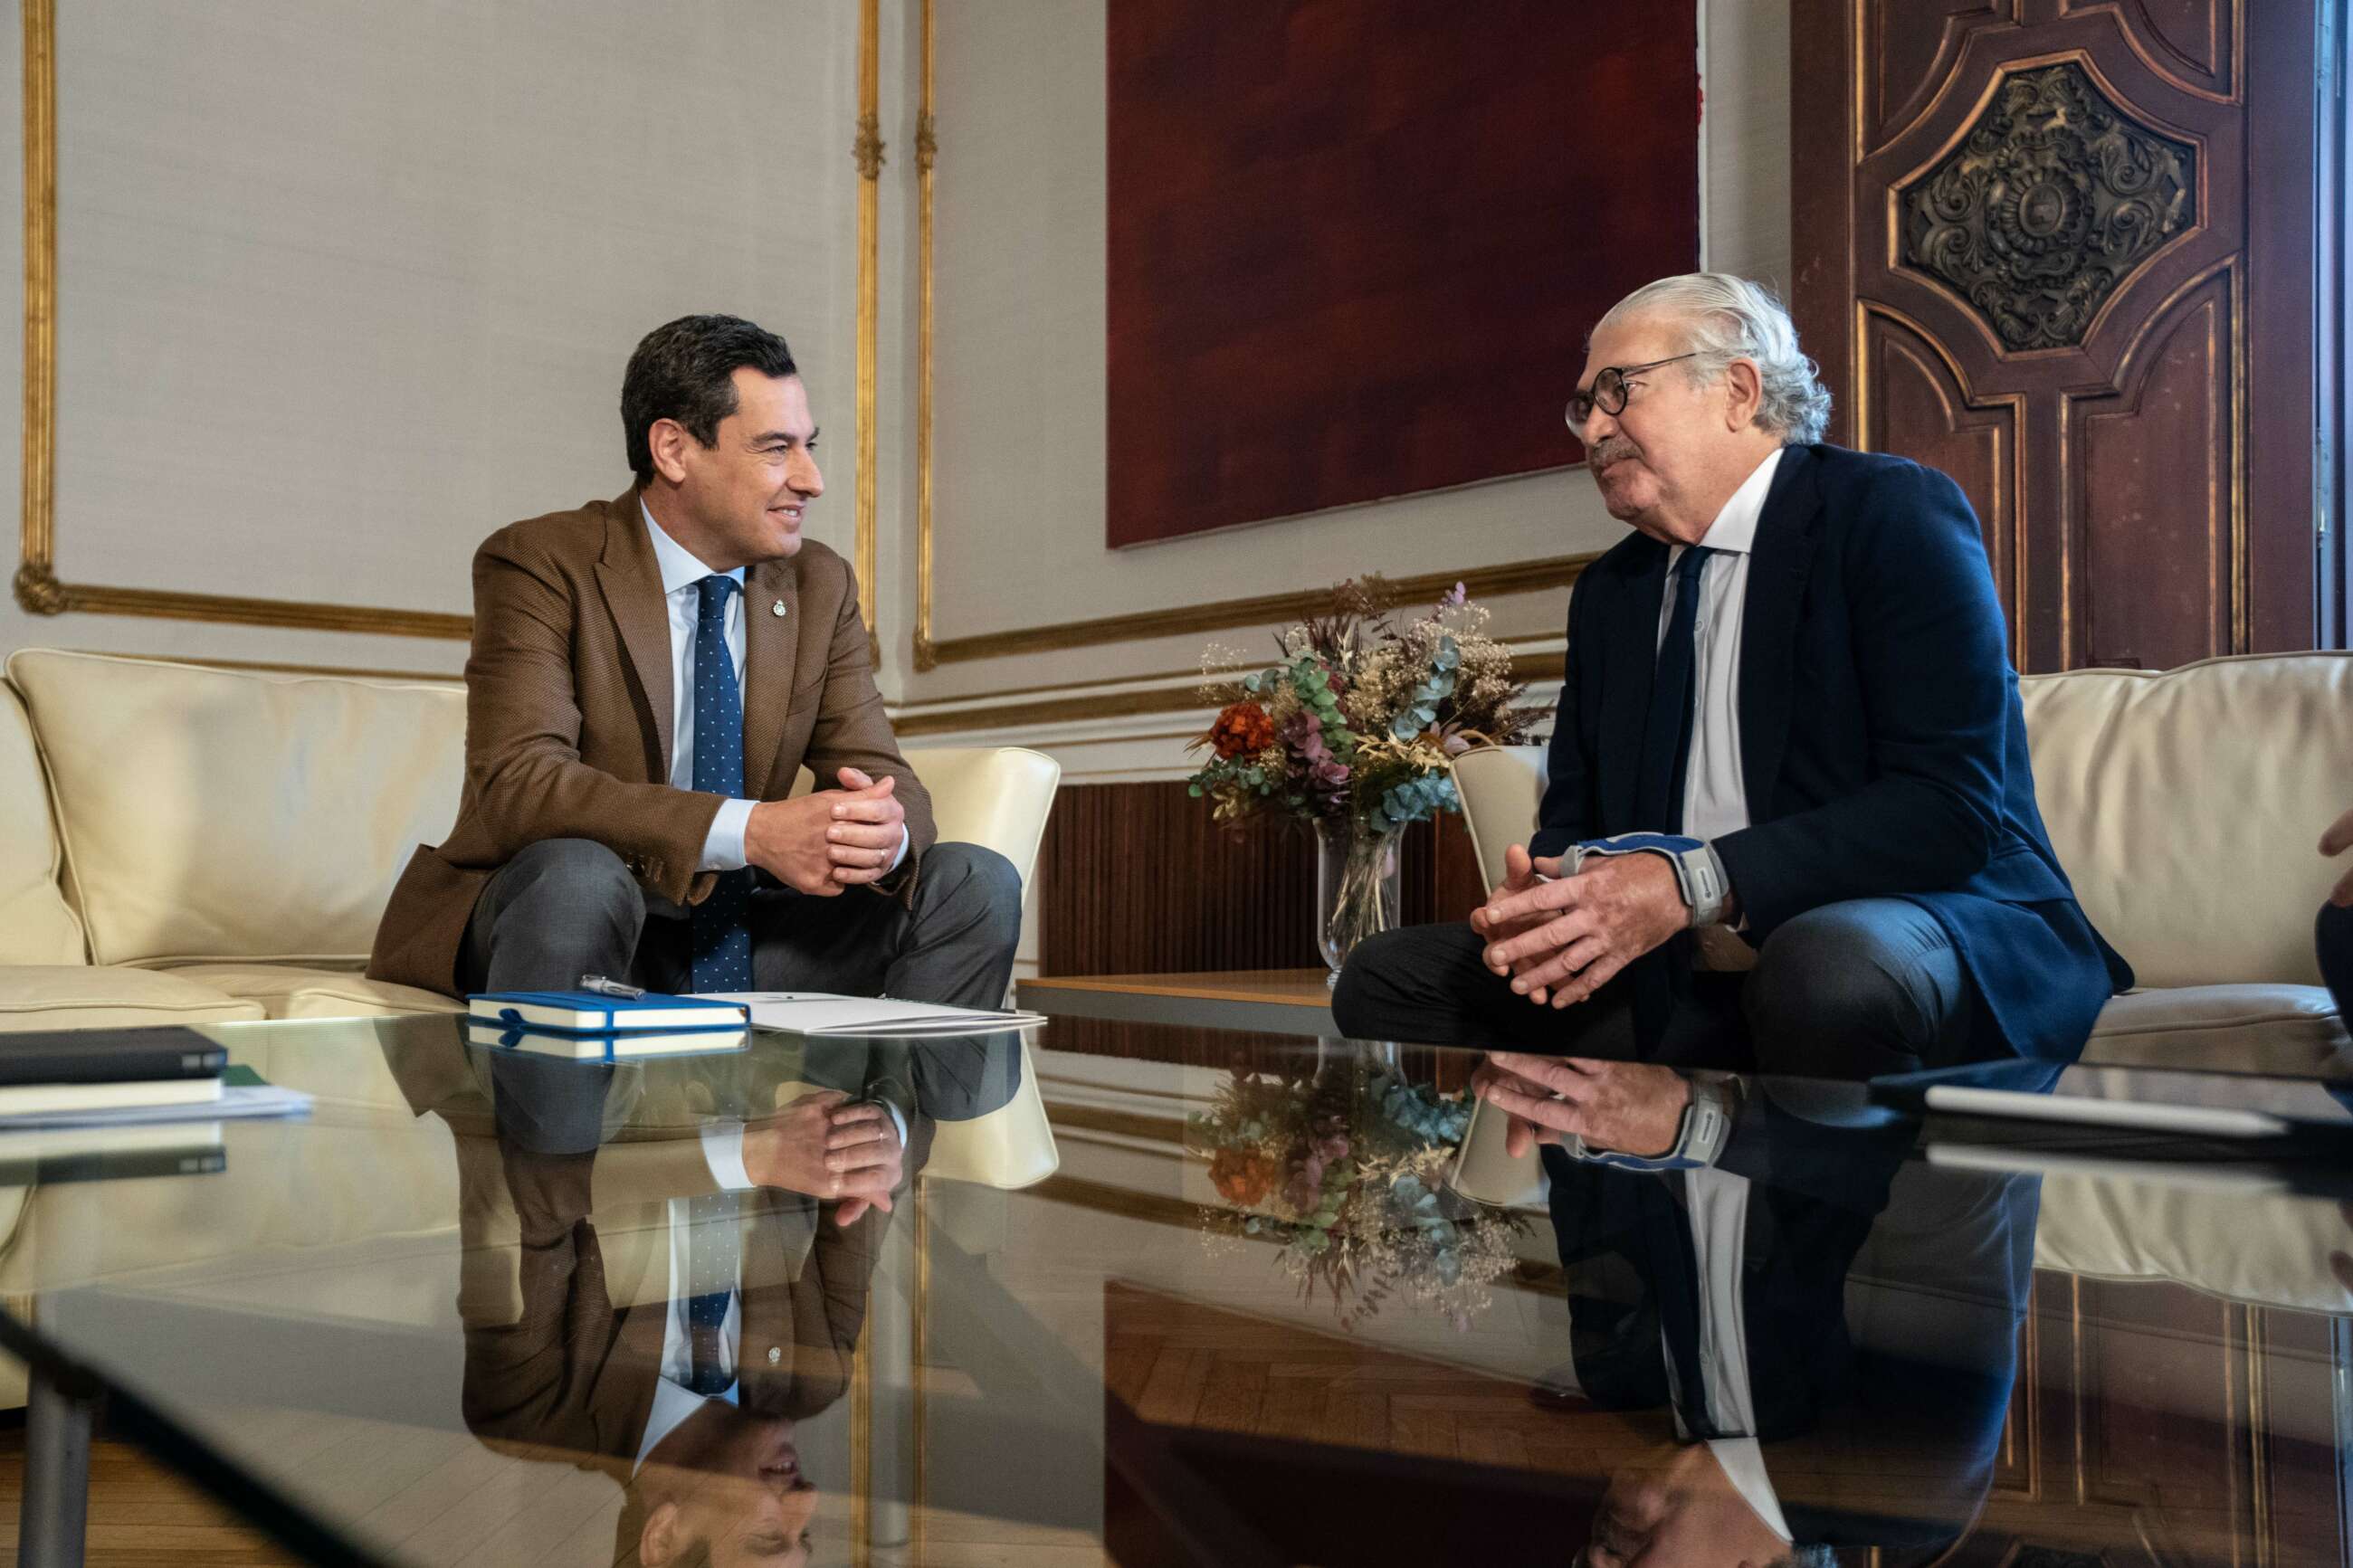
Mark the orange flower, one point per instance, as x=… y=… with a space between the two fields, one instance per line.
x=1242 y=1176
x=1242 y=730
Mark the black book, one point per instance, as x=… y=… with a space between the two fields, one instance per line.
x=108 y=1055
x=107 y=1155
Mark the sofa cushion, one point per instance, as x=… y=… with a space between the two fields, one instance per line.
x=37 y=925
x=2187 y=806
x=286 y=991
x=2114 y=1229
x=78 y=997
x=2289 y=1029
x=211 y=814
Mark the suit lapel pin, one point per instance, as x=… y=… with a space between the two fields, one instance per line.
x=777 y=608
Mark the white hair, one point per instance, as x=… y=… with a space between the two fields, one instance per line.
x=1730 y=318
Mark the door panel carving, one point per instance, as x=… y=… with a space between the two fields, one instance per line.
x=2055 y=197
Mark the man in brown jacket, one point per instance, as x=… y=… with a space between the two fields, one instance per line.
x=648 y=675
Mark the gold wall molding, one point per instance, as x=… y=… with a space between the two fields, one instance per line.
x=38 y=589
x=927 y=157
x=1262 y=609
x=867 y=152
x=1087 y=705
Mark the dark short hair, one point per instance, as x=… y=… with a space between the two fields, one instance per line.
x=683 y=370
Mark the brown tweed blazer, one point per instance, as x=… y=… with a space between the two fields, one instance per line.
x=568 y=720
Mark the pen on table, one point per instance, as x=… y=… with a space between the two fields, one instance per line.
x=603 y=987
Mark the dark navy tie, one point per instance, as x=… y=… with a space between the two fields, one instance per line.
x=1667 y=732
x=723 y=942
x=714 y=1252
x=1659 y=977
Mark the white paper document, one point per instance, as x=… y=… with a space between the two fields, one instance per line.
x=822 y=1013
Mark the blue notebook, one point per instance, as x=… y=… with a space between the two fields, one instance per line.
x=593 y=1013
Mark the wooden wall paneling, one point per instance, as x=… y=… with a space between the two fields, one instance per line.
x=2160 y=1382
x=1909 y=55
x=1136 y=879
x=2283 y=320
x=1919 y=392
x=2297 y=1370
x=2154 y=1423
x=2164 y=445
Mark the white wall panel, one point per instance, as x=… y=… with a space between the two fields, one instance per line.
x=343 y=286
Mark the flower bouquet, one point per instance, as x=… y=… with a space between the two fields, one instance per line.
x=1355 y=731
x=1343 y=1170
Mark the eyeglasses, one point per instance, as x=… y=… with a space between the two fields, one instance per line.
x=1610 y=390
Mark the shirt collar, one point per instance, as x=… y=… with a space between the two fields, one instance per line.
x=1735 y=528
x=673 y=1404
x=680 y=569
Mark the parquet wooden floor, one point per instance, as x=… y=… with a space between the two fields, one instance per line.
x=1186 y=1364
x=141 y=1515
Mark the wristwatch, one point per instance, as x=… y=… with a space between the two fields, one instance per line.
x=1699 y=870
x=1707 y=1120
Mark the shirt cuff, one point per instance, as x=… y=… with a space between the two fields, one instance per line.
x=722 y=1151
x=1724 y=881
x=723 y=847
x=895 y=861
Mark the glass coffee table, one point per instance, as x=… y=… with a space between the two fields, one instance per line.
x=1160 y=1293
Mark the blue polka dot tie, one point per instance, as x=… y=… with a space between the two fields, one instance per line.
x=723 y=942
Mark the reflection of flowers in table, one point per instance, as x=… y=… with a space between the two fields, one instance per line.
x=1355 y=731
x=1343 y=1170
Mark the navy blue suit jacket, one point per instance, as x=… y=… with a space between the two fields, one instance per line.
x=1883 y=746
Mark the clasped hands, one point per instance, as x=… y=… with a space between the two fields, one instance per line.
x=1561 y=941
x=829 y=1147
x=830 y=839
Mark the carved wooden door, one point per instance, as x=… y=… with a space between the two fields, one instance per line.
x=2062 y=250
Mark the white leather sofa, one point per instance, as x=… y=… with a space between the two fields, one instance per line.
x=2185 y=805
x=188 y=844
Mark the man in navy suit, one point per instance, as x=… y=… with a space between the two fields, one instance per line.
x=1794 y=664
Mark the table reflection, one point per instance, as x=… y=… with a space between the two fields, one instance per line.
x=1834 y=1327
x=667 y=1263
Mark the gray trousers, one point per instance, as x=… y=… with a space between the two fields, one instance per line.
x=567 y=906
x=1849 y=991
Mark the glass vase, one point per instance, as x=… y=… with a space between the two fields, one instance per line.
x=1356 y=887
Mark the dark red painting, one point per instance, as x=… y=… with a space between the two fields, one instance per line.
x=1355 y=246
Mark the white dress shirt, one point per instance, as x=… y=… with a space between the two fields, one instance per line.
x=1714 y=800
x=674 y=1401
x=723 y=847
x=1717 y=1203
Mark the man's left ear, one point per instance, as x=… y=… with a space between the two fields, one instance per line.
x=1747 y=386
x=659 y=1541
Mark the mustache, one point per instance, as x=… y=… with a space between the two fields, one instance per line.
x=1600 y=458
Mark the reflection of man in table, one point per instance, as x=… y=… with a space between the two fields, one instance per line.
x=673 y=1307
x=1834 y=1330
